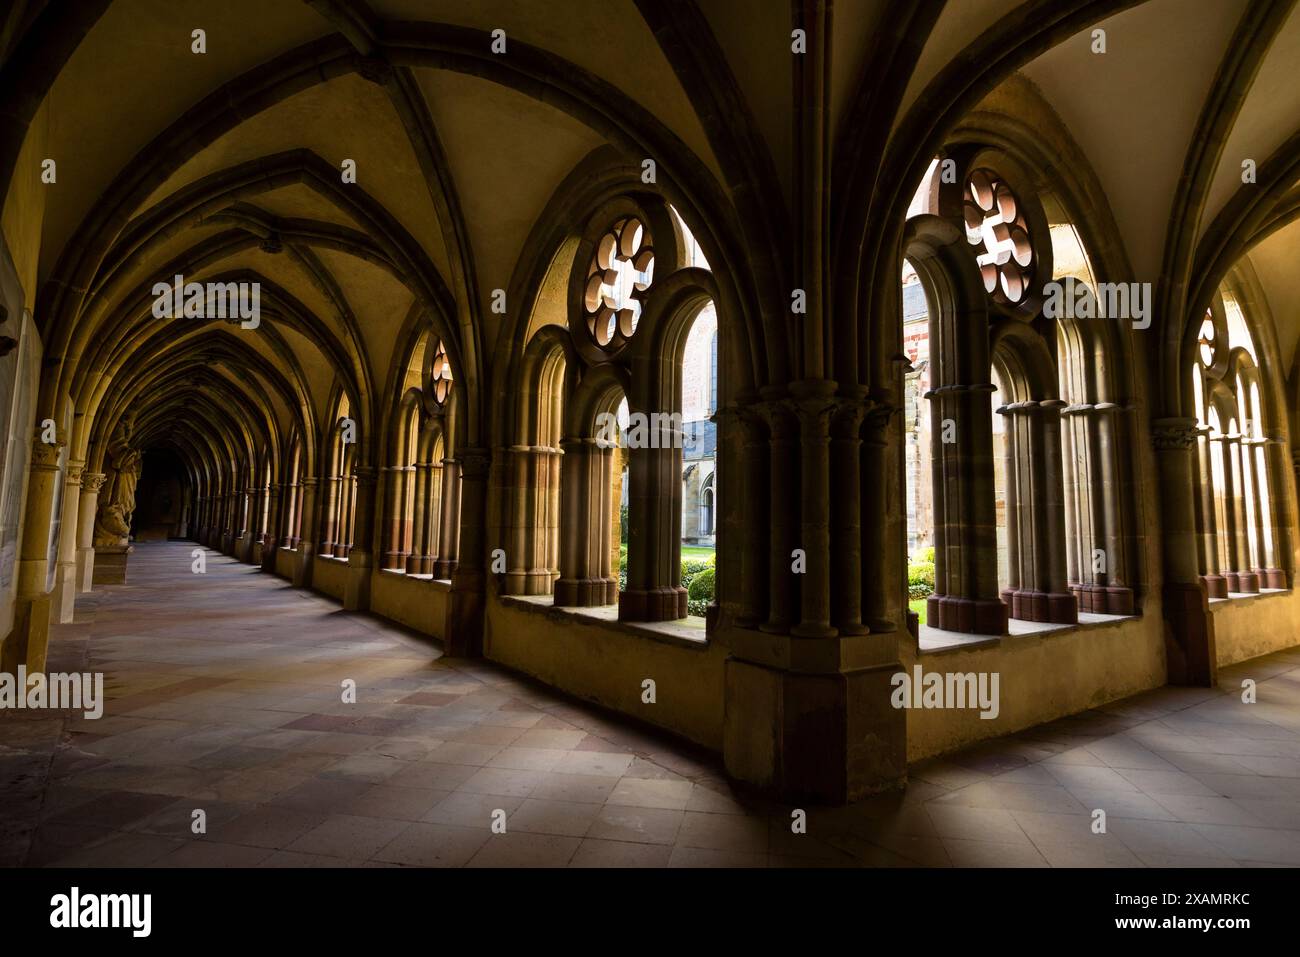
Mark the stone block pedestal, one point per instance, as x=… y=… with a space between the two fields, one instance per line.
x=110 y=564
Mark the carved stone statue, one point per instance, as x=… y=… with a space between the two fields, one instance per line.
x=117 y=500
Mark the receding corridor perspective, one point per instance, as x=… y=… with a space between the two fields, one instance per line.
x=224 y=696
x=649 y=432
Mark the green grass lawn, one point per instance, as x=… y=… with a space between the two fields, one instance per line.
x=918 y=605
x=696 y=551
x=688 y=551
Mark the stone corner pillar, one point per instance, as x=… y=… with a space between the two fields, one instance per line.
x=361 y=561
x=811 y=719
x=1188 y=625
x=464 y=625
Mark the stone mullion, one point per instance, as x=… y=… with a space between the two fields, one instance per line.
x=968 y=562
x=394 y=497
x=419 y=519
x=1275 y=466
x=1111 y=430
x=1241 y=563
x=1074 y=452
x=271 y=540
x=573 y=517
x=1207 y=539
x=65 y=581
x=520 y=494
x=1013 y=503
x=554 y=468
x=329 y=513
x=449 y=521
x=433 y=519
x=607 y=586
x=1252 y=453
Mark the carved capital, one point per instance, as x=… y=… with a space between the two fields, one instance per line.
x=92 y=481
x=1169 y=435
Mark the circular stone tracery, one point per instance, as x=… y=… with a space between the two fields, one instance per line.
x=620 y=272
x=996 y=228
x=440 y=374
x=1205 y=343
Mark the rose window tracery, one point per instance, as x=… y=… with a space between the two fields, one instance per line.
x=997 y=230
x=620 y=272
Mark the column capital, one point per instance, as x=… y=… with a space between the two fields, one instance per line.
x=92 y=481
x=1173 y=434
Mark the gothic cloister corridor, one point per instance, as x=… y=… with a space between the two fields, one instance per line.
x=224 y=693
x=672 y=435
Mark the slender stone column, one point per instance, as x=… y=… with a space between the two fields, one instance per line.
x=306 y=546
x=271 y=540
x=965 y=597
x=397 y=528
x=654 y=557
x=579 y=584
x=449 y=524
x=65 y=579
x=419 y=520
x=1277 y=521
x=434 y=519
x=91 y=483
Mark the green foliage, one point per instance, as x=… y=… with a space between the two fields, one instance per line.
x=920 y=578
x=701 y=586
x=696 y=608
x=622 y=528
x=692 y=567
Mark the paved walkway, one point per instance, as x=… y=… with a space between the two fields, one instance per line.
x=225 y=697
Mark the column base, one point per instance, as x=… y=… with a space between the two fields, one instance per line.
x=1104 y=599
x=110 y=564
x=967 y=615
x=1271 y=577
x=1039 y=606
x=654 y=604
x=1243 y=583
x=823 y=738
x=585 y=592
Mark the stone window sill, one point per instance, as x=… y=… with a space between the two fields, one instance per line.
x=418 y=578
x=934 y=641
x=1243 y=595
x=684 y=633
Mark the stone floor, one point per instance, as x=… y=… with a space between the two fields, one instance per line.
x=225 y=697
